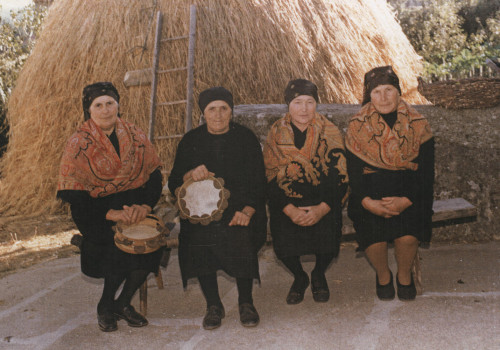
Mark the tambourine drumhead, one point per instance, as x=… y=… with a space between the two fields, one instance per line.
x=202 y=201
x=144 y=237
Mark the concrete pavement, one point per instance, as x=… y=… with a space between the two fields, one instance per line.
x=52 y=306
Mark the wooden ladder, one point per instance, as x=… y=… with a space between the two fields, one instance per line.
x=150 y=76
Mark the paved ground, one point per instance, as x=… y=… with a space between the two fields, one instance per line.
x=52 y=306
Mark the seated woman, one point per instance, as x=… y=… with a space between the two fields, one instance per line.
x=390 y=160
x=307 y=183
x=110 y=173
x=225 y=149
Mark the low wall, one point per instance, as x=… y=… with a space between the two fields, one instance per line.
x=467 y=162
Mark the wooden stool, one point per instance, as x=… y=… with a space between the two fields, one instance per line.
x=143 y=292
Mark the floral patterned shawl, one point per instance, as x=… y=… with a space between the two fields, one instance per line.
x=288 y=164
x=90 y=162
x=373 y=141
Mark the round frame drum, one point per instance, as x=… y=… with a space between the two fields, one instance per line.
x=202 y=201
x=144 y=237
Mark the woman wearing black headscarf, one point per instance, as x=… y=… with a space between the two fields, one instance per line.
x=390 y=160
x=225 y=149
x=307 y=183
x=110 y=173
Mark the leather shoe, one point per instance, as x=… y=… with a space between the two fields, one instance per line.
x=213 y=317
x=319 y=287
x=406 y=292
x=133 y=318
x=299 y=286
x=107 y=321
x=386 y=291
x=248 y=315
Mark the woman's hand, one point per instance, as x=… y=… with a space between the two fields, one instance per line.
x=315 y=213
x=377 y=207
x=398 y=204
x=197 y=174
x=129 y=215
x=242 y=218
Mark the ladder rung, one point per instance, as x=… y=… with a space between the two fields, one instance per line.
x=171 y=103
x=165 y=137
x=175 y=38
x=171 y=70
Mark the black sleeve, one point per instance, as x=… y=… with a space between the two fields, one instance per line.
x=181 y=166
x=253 y=191
x=421 y=188
x=276 y=195
x=355 y=173
x=152 y=189
x=89 y=214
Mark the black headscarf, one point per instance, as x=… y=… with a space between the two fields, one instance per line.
x=93 y=91
x=217 y=93
x=379 y=76
x=299 y=87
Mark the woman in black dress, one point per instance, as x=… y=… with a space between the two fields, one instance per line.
x=110 y=173
x=307 y=183
x=224 y=149
x=390 y=160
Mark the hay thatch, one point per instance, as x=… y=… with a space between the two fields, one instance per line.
x=253 y=47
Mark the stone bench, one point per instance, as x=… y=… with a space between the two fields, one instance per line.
x=445 y=210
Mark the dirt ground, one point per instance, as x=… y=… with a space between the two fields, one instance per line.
x=25 y=241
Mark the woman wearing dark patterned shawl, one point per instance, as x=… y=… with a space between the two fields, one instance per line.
x=307 y=183
x=390 y=160
x=110 y=173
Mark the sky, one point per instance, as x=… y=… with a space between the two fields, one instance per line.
x=8 y=5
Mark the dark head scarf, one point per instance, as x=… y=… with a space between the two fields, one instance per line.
x=379 y=76
x=299 y=87
x=93 y=91
x=217 y=93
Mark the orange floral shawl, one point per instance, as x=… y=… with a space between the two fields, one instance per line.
x=370 y=138
x=90 y=162
x=288 y=164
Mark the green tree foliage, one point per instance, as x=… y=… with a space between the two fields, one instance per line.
x=17 y=38
x=453 y=37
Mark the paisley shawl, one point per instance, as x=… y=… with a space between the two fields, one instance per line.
x=90 y=162
x=373 y=141
x=288 y=164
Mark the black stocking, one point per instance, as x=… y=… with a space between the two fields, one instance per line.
x=293 y=264
x=111 y=285
x=210 y=289
x=244 y=290
x=322 y=262
x=132 y=283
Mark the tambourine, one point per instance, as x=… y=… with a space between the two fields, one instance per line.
x=144 y=237
x=202 y=201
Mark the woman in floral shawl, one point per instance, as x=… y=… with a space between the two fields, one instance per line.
x=307 y=183
x=110 y=173
x=390 y=159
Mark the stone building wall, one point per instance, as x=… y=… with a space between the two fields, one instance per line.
x=467 y=159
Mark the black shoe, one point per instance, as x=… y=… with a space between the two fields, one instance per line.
x=319 y=287
x=107 y=321
x=133 y=318
x=386 y=291
x=248 y=315
x=299 y=286
x=213 y=317
x=406 y=292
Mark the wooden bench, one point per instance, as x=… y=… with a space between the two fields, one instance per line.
x=445 y=210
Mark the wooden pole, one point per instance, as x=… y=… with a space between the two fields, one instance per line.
x=154 y=81
x=190 y=67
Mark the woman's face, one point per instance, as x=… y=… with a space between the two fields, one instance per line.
x=302 y=110
x=104 y=112
x=218 y=115
x=385 y=98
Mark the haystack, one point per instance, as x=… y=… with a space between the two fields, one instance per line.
x=252 y=47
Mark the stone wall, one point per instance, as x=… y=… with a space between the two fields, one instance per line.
x=467 y=162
